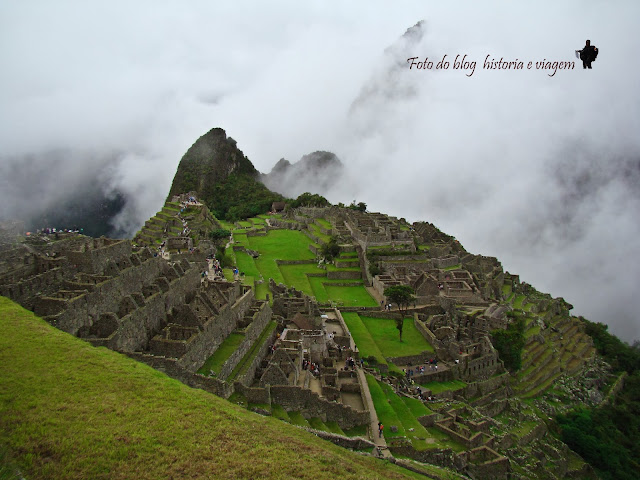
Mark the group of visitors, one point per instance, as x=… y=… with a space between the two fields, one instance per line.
x=350 y=363
x=214 y=264
x=52 y=230
x=313 y=367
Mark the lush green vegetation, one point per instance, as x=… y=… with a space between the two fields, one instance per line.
x=331 y=249
x=376 y=338
x=403 y=413
x=72 y=411
x=309 y=200
x=620 y=355
x=238 y=197
x=294 y=245
x=608 y=437
x=509 y=344
x=384 y=332
x=364 y=341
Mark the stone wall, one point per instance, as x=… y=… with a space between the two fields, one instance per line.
x=297 y=399
x=419 y=359
x=425 y=332
x=344 y=274
x=140 y=318
x=354 y=443
x=106 y=297
x=96 y=260
x=216 y=330
x=24 y=291
x=435 y=456
x=485 y=387
x=247 y=379
x=253 y=394
x=254 y=330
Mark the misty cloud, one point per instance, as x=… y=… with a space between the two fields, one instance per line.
x=540 y=171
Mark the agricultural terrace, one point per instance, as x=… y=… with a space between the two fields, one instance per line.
x=307 y=277
x=378 y=337
x=403 y=413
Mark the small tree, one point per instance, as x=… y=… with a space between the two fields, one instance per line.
x=402 y=295
x=331 y=249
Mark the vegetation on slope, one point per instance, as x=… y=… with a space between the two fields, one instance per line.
x=71 y=411
x=608 y=436
x=223 y=178
x=509 y=344
x=239 y=196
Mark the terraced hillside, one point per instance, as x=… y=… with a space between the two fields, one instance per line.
x=324 y=352
x=89 y=412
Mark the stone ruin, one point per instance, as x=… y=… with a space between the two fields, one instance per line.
x=168 y=314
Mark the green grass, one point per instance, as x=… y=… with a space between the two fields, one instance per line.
x=279 y=412
x=350 y=296
x=224 y=351
x=361 y=335
x=416 y=407
x=359 y=431
x=318 y=424
x=293 y=245
x=228 y=274
x=297 y=419
x=517 y=302
x=333 y=268
x=247 y=264
x=453 y=267
x=438 y=387
x=324 y=223
x=72 y=411
x=406 y=417
x=385 y=334
x=296 y=275
x=334 y=427
x=403 y=413
x=244 y=364
x=283 y=245
x=386 y=413
x=315 y=230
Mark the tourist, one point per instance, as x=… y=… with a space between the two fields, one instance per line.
x=380 y=429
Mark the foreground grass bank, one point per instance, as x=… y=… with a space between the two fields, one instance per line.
x=72 y=411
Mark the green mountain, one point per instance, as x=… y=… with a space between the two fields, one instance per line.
x=221 y=176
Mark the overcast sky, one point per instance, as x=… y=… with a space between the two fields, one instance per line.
x=541 y=171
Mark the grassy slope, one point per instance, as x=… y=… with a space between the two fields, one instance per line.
x=294 y=245
x=69 y=410
x=386 y=335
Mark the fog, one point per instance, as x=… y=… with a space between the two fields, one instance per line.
x=541 y=171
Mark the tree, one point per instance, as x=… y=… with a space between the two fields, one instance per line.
x=219 y=235
x=331 y=249
x=402 y=295
x=310 y=200
x=360 y=206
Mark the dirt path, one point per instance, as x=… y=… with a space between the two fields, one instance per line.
x=380 y=442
